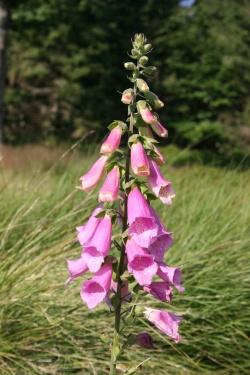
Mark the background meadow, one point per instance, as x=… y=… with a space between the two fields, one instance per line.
x=61 y=74
x=45 y=328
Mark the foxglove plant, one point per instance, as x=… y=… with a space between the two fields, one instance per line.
x=118 y=271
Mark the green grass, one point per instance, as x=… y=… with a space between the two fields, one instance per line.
x=45 y=328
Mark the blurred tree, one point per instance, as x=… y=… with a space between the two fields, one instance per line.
x=4 y=16
x=65 y=63
x=207 y=64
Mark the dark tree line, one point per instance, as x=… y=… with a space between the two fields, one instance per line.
x=64 y=65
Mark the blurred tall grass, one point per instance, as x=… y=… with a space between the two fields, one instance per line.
x=45 y=328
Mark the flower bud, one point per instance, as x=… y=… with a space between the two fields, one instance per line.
x=154 y=100
x=144 y=340
x=143 y=60
x=135 y=53
x=127 y=96
x=94 y=174
x=112 y=142
x=141 y=104
x=147 y=47
x=129 y=66
x=142 y=85
x=110 y=189
x=149 y=70
x=139 y=160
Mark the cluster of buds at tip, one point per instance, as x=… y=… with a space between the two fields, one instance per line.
x=124 y=197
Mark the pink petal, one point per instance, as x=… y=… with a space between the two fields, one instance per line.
x=113 y=141
x=91 y=178
x=76 y=267
x=165 y=321
x=139 y=160
x=110 y=189
x=95 y=290
x=86 y=231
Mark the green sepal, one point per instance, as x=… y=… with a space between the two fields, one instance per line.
x=116 y=123
x=153 y=100
x=149 y=70
x=101 y=214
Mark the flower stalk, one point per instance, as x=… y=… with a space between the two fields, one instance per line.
x=133 y=179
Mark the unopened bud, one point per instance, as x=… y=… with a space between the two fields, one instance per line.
x=129 y=66
x=147 y=47
x=154 y=100
x=141 y=104
x=143 y=60
x=127 y=96
x=149 y=70
x=142 y=85
x=144 y=340
x=135 y=53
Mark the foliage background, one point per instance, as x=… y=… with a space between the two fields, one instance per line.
x=65 y=68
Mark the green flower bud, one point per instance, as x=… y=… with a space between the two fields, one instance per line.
x=135 y=53
x=142 y=85
x=147 y=47
x=139 y=41
x=141 y=104
x=143 y=60
x=149 y=70
x=154 y=100
x=129 y=66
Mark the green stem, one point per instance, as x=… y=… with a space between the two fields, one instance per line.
x=115 y=351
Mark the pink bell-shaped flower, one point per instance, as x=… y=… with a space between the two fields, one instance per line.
x=161 y=187
x=76 y=267
x=85 y=232
x=139 y=160
x=110 y=189
x=92 y=177
x=171 y=275
x=140 y=263
x=165 y=321
x=99 y=245
x=95 y=290
x=113 y=141
x=142 y=224
x=161 y=290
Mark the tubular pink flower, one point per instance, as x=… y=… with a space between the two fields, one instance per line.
x=171 y=275
x=162 y=243
x=99 y=245
x=76 y=267
x=144 y=340
x=110 y=189
x=140 y=263
x=91 y=178
x=95 y=290
x=148 y=116
x=160 y=290
x=159 y=129
x=127 y=96
x=86 y=231
x=165 y=321
x=142 y=224
x=161 y=187
x=112 y=142
x=139 y=160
